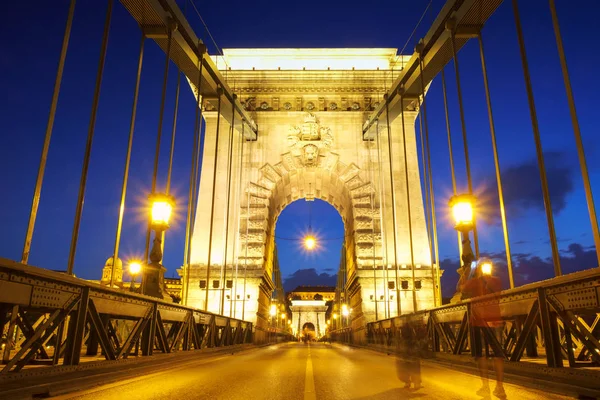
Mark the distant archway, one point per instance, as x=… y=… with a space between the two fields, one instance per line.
x=309 y=331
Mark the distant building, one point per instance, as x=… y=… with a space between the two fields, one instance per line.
x=309 y=306
x=173 y=286
x=309 y=293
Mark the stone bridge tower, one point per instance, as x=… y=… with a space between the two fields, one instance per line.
x=310 y=106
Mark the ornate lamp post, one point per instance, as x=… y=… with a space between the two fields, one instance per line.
x=462 y=211
x=154 y=273
x=134 y=269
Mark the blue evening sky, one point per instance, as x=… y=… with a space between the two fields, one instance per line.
x=31 y=41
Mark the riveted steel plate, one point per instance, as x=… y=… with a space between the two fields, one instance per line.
x=201 y=318
x=14 y=293
x=50 y=297
x=451 y=314
x=43 y=283
x=578 y=299
x=172 y=314
x=120 y=306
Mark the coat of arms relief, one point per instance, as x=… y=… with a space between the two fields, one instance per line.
x=309 y=141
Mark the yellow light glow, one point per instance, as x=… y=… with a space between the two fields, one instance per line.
x=283 y=316
x=310 y=242
x=135 y=267
x=310 y=59
x=162 y=207
x=273 y=310
x=334 y=316
x=328 y=322
x=462 y=210
x=345 y=311
x=289 y=321
x=486 y=268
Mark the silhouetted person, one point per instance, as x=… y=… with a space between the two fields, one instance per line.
x=482 y=283
x=408 y=363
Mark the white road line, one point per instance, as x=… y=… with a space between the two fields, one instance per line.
x=309 y=380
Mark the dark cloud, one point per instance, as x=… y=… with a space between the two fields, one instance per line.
x=527 y=268
x=308 y=277
x=523 y=190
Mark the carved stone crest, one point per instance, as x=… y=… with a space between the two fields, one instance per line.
x=309 y=140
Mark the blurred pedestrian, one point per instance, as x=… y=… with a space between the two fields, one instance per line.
x=408 y=362
x=486 y=322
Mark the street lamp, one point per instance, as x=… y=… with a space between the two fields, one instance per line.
x=310 y=242
x=486 y=268
x=462 y=210
x=273 y=312
x=134 y=268
x=161 y=209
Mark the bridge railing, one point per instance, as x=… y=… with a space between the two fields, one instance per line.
x=555 y=322
x=50 y=318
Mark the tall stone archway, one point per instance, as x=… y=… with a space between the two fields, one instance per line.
x=309 y=145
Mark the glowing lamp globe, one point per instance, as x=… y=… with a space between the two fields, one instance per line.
x=273 y=310
x=486 y=268
x=345 y=311
x=135 y=267
x=310 y=242
x=462 y=211
x=162 y=207
x=283 y=316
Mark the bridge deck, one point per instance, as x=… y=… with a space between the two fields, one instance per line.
x=299 y=371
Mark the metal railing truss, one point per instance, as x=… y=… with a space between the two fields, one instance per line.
x=49 y=318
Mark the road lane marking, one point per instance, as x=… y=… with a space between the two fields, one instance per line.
x=309 y=380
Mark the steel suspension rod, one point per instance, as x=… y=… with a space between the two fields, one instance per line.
x=451 y=26
x=214 y=188
x=88 y=146
x=435 y=266
x=136 y=92
x=451 y=154
x=538 y=144
x=389 y=137
x=192 y=192
x=50 y=125
x=576 y=131
x=230 y=161
x=496 y=164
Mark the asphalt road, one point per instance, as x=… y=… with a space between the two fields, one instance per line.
x=298 y=371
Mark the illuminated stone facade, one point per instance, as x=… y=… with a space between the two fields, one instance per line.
x=310 y=106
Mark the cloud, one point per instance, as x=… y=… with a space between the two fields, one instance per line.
x=308 y=277
x=523 y=190
x=527 y=268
